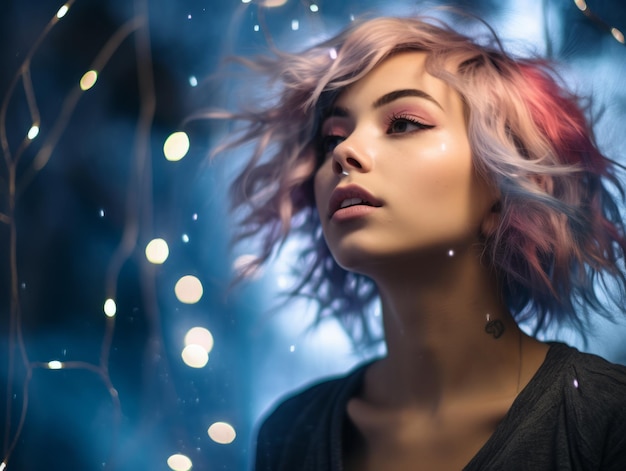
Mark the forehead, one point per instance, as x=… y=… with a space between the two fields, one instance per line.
x=404 y=70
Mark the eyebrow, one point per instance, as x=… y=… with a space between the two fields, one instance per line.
x=396 y=94
x=341 y=112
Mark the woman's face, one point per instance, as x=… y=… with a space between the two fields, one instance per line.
x=411 y=187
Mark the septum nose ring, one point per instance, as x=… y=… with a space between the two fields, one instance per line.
x=344 y=173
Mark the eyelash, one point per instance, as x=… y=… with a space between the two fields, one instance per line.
x=401 y=117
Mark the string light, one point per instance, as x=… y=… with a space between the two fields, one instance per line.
x=33 y=132
x=62 y=11
x=617 y=34
x=88 y=80
x=220 y=432
x=20 y=179
x=110 y=308
x=584 y=8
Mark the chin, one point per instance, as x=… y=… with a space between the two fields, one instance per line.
x=361 y=261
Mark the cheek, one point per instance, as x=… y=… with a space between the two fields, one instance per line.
x=442 y=169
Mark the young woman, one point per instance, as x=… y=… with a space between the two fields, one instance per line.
x=462 y=188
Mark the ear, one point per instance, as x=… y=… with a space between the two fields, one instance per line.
x=490 y=223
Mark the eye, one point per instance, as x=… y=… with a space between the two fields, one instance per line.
x=401 y=124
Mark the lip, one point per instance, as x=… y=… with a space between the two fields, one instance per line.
x=352 y=191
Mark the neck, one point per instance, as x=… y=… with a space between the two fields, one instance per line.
x=438 y=345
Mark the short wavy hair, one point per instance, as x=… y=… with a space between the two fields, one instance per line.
x=560 y=245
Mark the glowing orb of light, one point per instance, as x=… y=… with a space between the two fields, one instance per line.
x=188 y=289
x=157 y=251
x=55 y=365
x=179 y=462
x=62 y=11
x=314 y=8
x=176 y=146
x=246 y=1
x=200 y=336
x=222 y=433
x=195 y=356
x=88 y=80
x=295 y=25
x=33 y=132
x=110 y=308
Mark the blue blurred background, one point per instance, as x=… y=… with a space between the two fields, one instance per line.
x=96 y=368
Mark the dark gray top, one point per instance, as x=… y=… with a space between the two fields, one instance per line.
x=570 y=416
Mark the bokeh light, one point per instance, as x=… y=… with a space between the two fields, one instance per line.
x=618 y=35
x=33 y=132
x=200 y=336
x=88 y=80
x=88 y=249
x=195 y=356
x=62 y=11
x=179 y=462
x=110 y=308
x=176 y=146
x=222 y=433
x=157 y=251
x=188 y=289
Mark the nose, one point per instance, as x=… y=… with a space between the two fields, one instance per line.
x=350 y=155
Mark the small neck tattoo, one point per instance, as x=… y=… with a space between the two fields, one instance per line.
x=494 y=327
